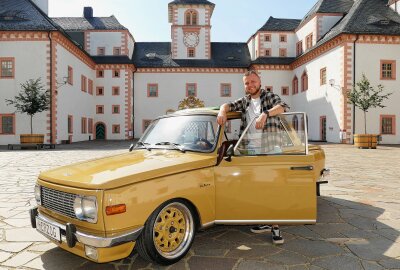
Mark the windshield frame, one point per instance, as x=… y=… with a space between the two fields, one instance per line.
x=169 y=147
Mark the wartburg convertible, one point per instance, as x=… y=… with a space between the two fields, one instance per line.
x=186 y=173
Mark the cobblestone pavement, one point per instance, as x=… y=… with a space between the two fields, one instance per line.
x=358 y=218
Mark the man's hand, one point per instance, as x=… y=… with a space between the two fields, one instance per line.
x=221 y=118
x=260 y=122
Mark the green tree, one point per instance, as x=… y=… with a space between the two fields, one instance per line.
x=32 y=99
x=364 y=97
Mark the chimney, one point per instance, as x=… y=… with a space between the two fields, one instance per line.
x=88 y=12
x=43 y=5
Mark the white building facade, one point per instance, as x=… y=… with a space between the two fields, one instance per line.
x=104 y=85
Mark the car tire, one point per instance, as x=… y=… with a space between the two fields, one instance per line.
x=168 y=233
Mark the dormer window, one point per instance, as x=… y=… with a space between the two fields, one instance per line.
x=191 y=17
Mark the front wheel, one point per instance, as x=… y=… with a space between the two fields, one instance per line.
x=168 y=233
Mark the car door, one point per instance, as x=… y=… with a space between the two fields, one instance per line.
x=273 y=185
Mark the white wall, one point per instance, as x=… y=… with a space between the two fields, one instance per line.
x=396 y=7
x=275 y=44
x=200 y=48
x=29 y=64
x=172 y=89
x=131 y=45
x=252 y=48
x=321 y=100
x=327 y=22
x=201 y=12
x=305 y=30
x=277 y=79
x=369 y=64
x=109 y=40
x=43 y=5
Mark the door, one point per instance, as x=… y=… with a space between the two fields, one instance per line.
x=323 y=128
x=273 y=185
x=100 y=131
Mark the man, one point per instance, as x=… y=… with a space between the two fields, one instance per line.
x=264 y=106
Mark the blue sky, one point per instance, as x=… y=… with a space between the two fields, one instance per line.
x=147 y=20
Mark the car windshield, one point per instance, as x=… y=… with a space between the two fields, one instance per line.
x=185 y=133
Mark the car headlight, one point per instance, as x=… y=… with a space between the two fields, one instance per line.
x=38 y=195
x=85 y=208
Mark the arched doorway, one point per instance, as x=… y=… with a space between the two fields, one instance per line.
x=100 y=131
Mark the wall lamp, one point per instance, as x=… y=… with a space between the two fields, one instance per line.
x=332 y=84
x=64 y=82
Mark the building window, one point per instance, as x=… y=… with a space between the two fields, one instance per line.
x=90 y=125
x=304 y=82
x=145 y=124
x=99 y=73
x=191 y=17
x=115 y=90
x=388 y=69
x=90 y=87
x=269 y=88
x=191 y=52
x=116 y=129
x=100 y=109
x=295 y=85
x=309 y=41
x=299 y=48
x=7 y=66
x=285 y=91
x=70 y=76
x=83 y=83
x=70 y=124
x=101 y=50
x=7 y=124
x=388 y=124
x=100 y=91
x=267 y=52
x=282 y=52
x=117 y=50
x=115 y=109
x=191 y=89
x=152 y=90
x=267 y=38
x=283 y=38
x=225 y=89
x=83 y=125
x=322 y=77
x=115 y=73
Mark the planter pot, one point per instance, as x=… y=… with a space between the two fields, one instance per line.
x=365 y=140
x=31 y=138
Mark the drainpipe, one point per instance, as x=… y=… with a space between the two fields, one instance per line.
x=51 y=86
x=133 y=103
x=354 y=83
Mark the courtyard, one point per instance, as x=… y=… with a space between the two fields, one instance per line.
x=358 y=225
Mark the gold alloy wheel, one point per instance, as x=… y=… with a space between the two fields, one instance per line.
x=173 y=230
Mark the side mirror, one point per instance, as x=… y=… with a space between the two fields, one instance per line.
x=229 y=153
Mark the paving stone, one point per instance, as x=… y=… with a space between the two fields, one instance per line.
x=313 y=249
x=256 y=265
x=288 y=258
x=330 y=230
x=390 y=263
x=4 y=256
x=338 y=262
x=57 y=259
x=42 y=247
x=371 y=265
x=18 y=222
x=96 y=266
x=303 y=231
x=372 y=249
x=14 y=247
x=24 y=235
x=254 y=253
x=298 y=267
x=209 y=263
x=238 y=237
x=20 y=259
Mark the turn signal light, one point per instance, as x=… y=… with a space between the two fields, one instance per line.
x=115 y=209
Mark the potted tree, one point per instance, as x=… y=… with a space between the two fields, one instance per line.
x=364 y=97
x=31 y=100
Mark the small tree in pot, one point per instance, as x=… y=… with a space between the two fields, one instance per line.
x=365 y=97
x=32 y=99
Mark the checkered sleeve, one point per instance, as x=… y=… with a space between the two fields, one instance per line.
x=274 y=100
x=237 y=105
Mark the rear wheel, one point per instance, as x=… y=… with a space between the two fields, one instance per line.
x=168 y=233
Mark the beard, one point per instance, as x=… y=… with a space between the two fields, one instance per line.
x=256 y=92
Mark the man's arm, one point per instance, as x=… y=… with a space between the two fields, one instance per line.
x=277 y=109
x=221 y=118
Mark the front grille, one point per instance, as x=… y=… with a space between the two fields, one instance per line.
x=58 y=201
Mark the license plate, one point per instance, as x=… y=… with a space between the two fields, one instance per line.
x=50 y=230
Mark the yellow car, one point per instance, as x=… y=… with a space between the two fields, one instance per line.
x=186 y=173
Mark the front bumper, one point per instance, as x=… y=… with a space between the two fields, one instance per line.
x=72 y=238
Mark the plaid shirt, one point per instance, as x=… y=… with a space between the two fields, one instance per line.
x=272 y=124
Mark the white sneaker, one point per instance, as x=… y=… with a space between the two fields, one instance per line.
x=277 y=238
x=261 y=229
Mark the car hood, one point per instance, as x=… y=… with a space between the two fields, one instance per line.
x=115 y=171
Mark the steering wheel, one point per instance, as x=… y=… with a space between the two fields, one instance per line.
x=203 y=143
